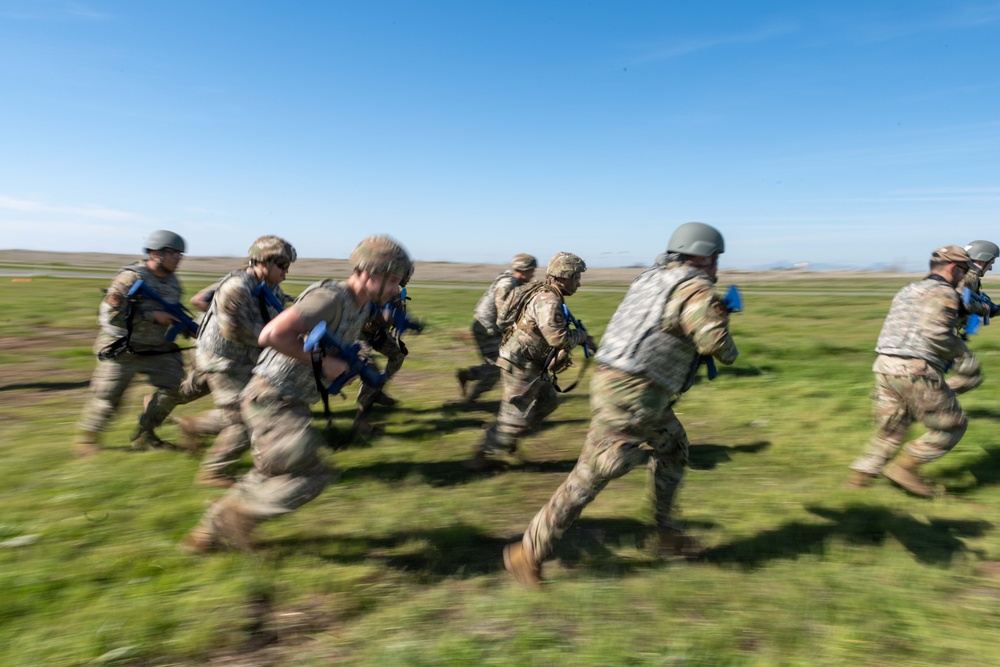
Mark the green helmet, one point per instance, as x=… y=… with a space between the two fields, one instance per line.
x=268 y=248
x=982 y=251
x=523 y=262
x=697 y=239
x=381 y=254
x=564 y=265
x=161 y=239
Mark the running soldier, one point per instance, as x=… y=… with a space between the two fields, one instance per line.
x=485 y=330
x=133 y=341
x=526 y=365
x=288 y=468
x=227 y=353
x=649 y=356
x=967 y=369
x=919 y=340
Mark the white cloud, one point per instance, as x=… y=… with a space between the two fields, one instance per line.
x=85 y=211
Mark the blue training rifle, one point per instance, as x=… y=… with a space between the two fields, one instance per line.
x=733 y=301
x=185 y=323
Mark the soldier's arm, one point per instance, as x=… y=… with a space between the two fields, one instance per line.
x=236 y=312
x=203 y=299
x=975 y=307
x=552 y=322
x=503 y=291
x=705 y=319
x=942 y=310
x=286 y=331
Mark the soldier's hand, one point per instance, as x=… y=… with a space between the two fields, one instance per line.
x=164 y=318
x=333 y=368
x=591 y=343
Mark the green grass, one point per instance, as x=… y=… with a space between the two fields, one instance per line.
x=399 y=562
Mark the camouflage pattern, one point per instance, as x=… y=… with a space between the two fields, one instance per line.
x=164 y=369
x=486 y=333
x=381 y=254
x=272 y=248
x=565 y=265
x=522 y=261
x=376 y=336
x=489 y=303
x=541 y=327
x=966 y=369
x=632 y=417
x=910 y=385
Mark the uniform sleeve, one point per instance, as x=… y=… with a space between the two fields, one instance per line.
x=972 y=281
x=235 y=309
x=941 y=311
x=552 y=322
x=316 y=307
x=705 y=319
x=502 y=291
x=116 y=298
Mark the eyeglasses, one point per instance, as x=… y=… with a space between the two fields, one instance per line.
x=171 y=252
x=283 y=265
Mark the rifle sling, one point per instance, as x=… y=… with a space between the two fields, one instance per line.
x=317 y=366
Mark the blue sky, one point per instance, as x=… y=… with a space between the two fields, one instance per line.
x=841 y=133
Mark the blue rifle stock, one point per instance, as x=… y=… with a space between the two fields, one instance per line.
x=264 y=292
x=733 y=301
x=185 y=323
x=579 y=325
x=321 y=343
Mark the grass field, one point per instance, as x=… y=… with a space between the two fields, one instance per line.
x=399 y=562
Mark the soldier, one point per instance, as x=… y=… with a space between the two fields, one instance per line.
x=133 y=340
x=484 y=327
x=649 y=356
x=288 y=469
x=377 y=335
x=528 y=392
x=967 y=369
x=919 y=340
x=227 y=353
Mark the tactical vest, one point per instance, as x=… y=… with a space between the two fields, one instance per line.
x=636 y=340
x=486 y=309
x=903 y=332
x=210 y=338
x=146 y=334
x=294 y=378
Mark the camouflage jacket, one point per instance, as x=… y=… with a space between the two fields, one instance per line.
x=669 y=318
x=541 y=327
x=234 y=321
x=147 y=335
x=489 y=303
x=922 y=324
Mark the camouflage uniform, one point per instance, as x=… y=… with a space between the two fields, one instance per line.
x=488 y=336
x=376 y=336
x=917 y=342
x=155 y=357
x=226 y=354
x=288 y=469
x=649 y=356
x=967 y=369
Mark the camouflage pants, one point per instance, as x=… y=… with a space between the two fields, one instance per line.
x=287 y=469
x=112 y=377
x=899 y=400
x=486 y=374
x=394 y=357
x=967 y=373
x=225 y=380
x=523 y=407
x=633 y=424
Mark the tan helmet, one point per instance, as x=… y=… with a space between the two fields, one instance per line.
x=523 y=262
x=268 y=248
x=564 y=265
x=382 y=254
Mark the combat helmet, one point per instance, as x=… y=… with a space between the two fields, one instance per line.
x=272 y=248
x=696 y=239
x=381 y=254
x=982 y=251
x=163 y=238
x=565 y=265
x=523 y=262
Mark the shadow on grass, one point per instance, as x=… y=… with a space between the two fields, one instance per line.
x=933 y=543
x=46 y=386
x=982 y=413
x=706 y=457
x=985 y=471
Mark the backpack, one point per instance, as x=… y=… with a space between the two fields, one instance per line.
x=510 y=311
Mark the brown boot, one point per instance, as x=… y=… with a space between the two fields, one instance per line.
x=675 y=544
x=463 y=378
x=481 y=462
x=363 y=426
x=146 y=440
x=859 y=480
x=527 y=573
x=214 y=478
x=85 y=444
x=200 y=540
x=190 y=436
x=903 y=472
x=233 y=527
x=382 y=398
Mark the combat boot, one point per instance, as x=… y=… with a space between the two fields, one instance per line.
x=145 y=440
x=362 y=425
x=903 y=472
x=233 y=527
x=191 y=437
x=859 y=480
x=463 y=378
x=675 y=544
x=85 y=444
x=200 y=540
x=214 y=478
x=526 y=572
x=382 y=398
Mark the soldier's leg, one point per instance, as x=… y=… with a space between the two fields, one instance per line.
x=107 y=386
x=967 y=374
x=166 y=373
x=667 y=466
x=486 y=374
x=892 y=420
x=937 y=407
x=226 y=420
x=516 y=407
